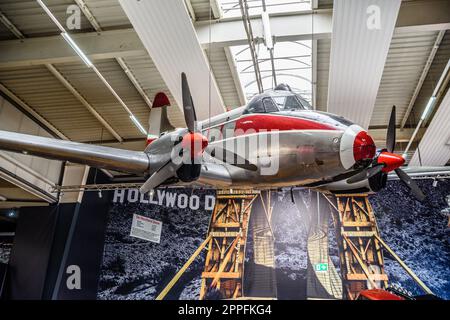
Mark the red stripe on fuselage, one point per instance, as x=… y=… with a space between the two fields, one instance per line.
x=264 y=122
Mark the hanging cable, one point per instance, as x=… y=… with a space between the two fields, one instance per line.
x=269 y=41
x=209 y=64
x=313 y=56
x=251 y=42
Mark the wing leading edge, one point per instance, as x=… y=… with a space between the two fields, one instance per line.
x=92 y=155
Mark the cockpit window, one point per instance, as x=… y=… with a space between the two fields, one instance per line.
x=304 y=103
x=289 y=103
x=255 y=106
x=264 y=105
x=269 y=105
x=292 y=103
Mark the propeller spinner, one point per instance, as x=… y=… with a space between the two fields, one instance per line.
x=191 y=148
x=386 y=161
x=192 y=145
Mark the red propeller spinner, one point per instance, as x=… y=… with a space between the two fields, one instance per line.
x=385 y=162
x=195 y=142
x=391 y=161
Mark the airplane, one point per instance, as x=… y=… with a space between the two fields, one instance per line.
x=310 y=149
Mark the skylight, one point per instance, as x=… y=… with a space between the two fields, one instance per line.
x=292 y=60
x=230 y=8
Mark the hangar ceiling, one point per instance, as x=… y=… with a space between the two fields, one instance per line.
x=30 y=46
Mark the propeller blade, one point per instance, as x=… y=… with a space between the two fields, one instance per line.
x=188 y=105
x=166 y=171
x=390 y=137
x=365 y=174
x=410 y=183
x=231 y=158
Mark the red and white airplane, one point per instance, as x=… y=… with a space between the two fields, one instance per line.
x=275 y=141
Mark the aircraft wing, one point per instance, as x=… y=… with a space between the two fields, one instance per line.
x=422 y=172
x=88 y=154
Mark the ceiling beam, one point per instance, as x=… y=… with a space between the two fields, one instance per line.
x=54 y=49
x=403 y=136
x=434 y=147
x=87 y=12
x=235 y=75
x=285 y=27
x=83 y=101
x=63 y=80
x=362 y=33
x=10 y=26
x=423 y=15
x=225 y=32
x=190 y=9
x=423 y=76
x=174 y=48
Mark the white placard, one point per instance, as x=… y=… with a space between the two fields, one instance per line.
x=146 y=228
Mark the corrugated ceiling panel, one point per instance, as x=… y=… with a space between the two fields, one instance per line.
x=31 y=19
x=174 y=48
x=436 y=69
x=435 y=144
x=5 y=34
x=358 y=55
x=406 y=59
x=96 y=93
x=323 y=70
x=224 y=78
x=151 y=82
x=37 y=87
x=108 y=13
x=201 y=9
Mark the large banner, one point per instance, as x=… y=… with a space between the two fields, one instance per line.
x=148 y=239
x=134 y=268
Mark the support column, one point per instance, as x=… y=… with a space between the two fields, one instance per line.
x=223 y=275
x=361 y=256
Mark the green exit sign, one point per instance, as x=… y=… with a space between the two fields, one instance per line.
x=322 y=267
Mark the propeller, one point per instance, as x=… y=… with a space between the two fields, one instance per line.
x=387 y=161
x=410 y=183
x=190 y=147
x=365 y=174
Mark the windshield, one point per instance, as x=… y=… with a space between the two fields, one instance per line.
x=288 y=103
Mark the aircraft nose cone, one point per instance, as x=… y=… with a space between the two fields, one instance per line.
x=391 y=161
x=195 y=142
x=363 y=147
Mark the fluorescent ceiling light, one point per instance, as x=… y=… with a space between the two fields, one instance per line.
x=2 y=198
x=77 y=49
x=136 y=122
x=89 y=64
x=50 y=14
x=430 y=105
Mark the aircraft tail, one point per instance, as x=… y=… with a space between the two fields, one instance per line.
x=158 y=121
